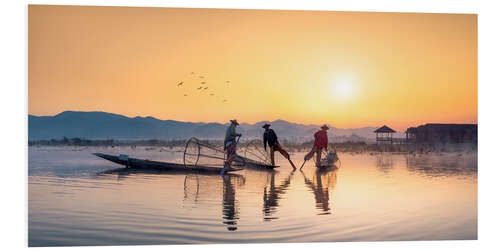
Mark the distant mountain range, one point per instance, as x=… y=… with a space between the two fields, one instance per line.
x=102 y=125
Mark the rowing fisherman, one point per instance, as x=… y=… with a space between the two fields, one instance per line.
x=271 y=139
x=230 y=143
x=320 y=143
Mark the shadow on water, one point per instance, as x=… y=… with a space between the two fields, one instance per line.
x=322 y=183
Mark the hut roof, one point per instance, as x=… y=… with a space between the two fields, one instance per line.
x=384 y=129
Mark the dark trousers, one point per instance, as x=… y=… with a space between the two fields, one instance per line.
x=277 y=147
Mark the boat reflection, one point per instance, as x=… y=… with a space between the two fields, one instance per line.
x=122 y=173
x=273 y=193
x=322 y=183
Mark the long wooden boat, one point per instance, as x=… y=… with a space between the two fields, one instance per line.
x=158 y=165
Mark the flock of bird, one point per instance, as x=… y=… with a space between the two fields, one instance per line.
x=203 y=86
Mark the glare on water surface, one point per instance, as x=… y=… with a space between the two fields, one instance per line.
x=78 y=199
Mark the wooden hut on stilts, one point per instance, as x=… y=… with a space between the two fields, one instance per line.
x=384 y=134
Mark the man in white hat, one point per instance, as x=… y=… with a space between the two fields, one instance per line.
x=271 y=139
x=230 y=143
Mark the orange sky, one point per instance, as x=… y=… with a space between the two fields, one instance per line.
x=348 y=69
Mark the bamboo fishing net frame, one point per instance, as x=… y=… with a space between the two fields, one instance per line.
x=202 y=153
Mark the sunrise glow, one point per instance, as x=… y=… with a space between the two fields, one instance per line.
x=349 y=69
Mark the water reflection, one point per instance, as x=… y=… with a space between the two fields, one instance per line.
x=199 y=187
x=385 y=163
x=442 y=165
x=135 y=207
x=230 y=208
x=322 y=183
x=196 y=187
x=273 y=193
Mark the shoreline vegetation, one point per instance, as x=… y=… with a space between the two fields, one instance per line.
x=345 y=147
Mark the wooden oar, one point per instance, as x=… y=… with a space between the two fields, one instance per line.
x=302 y=165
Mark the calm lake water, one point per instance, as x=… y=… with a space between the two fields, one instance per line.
x=77 y=199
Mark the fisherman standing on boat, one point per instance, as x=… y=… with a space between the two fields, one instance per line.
x=320 y=143
x=230 y=143
x=271 y=139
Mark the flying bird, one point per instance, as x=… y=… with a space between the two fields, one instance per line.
x=203 y=82
x=206 y=88
x=199 y=88
x=179 y=84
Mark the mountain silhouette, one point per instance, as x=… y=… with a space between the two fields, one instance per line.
x=103 y=125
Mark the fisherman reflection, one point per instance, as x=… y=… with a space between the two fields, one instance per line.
x=273 y=193
x=230 y=207
x=209 y=187
x=323 y=182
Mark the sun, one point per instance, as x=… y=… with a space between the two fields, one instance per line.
x=344 y=88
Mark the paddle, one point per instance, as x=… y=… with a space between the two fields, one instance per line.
x=310 y=158
x=305 y=159
x=302 y=165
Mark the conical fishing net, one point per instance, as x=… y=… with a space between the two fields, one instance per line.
x=205 y=153
x=254 y=151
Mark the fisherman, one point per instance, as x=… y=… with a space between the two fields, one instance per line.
x=320 y=143
x=230 y=143
x=271 y=139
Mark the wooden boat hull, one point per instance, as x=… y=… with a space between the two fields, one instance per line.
x=327 y=167
x=243 y=162
x=158 y=165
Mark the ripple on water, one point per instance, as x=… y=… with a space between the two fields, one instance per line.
x=76 y=199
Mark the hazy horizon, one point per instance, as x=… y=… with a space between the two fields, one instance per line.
x=241 y=122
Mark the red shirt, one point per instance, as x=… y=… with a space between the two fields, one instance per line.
x=320 y=139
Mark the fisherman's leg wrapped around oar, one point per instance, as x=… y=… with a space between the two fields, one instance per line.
x=277 y=147
x=309 y=155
